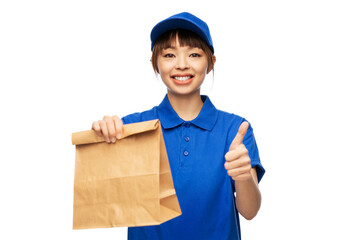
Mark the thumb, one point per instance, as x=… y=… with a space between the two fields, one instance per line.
x=238 y=140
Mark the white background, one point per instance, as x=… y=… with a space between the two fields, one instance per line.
x=287 y=66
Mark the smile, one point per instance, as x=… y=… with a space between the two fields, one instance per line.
x=182 y=80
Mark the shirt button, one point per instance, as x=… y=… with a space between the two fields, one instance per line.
x=187 y=125
x=186 y=153
x=187 y=139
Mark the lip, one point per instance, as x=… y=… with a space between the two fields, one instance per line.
x=182 y=82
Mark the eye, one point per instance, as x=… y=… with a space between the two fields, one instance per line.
x=195 y=55
x=169 y=55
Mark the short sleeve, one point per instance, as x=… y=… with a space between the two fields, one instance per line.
x=140 y=116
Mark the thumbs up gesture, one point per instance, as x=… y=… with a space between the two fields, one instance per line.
x=237 y=158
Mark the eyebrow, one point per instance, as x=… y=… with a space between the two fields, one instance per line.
x=173 y=47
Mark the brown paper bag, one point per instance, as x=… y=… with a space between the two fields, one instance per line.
x=127 y=183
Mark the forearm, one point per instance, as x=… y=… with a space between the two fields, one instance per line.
x=248 y=196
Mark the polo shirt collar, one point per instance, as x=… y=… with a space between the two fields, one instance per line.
x=205 y=120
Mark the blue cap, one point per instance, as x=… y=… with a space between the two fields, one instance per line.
x=186 y=21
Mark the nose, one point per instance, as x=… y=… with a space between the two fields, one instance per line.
x=182 y=63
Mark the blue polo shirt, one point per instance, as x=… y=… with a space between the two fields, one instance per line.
x=196 y=152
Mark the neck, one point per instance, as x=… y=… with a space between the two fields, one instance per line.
x=186 y=106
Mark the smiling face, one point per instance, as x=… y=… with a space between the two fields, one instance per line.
x=182 y=59
x=182 y=69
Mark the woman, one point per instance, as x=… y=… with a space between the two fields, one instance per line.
x=212 y=154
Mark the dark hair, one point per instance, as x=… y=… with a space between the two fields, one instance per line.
x=185 y=38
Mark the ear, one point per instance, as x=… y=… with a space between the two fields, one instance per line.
x=155 y=71
x=212 y=65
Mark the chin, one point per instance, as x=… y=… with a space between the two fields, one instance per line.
x=184 y=93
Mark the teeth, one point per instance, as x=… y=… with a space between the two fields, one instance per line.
x=182 y=78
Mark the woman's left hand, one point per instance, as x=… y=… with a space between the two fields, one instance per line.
x=237 y=158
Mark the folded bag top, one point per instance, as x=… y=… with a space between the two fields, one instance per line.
x=126 y=183
x=90 y=136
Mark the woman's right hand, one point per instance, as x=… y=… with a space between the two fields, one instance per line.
x=110 y=127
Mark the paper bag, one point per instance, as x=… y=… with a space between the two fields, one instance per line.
x=126 y=183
